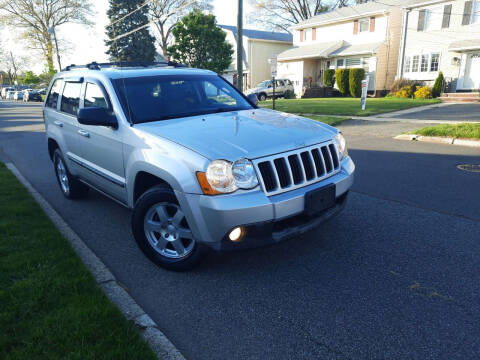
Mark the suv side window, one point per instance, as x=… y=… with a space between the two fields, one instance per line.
x=52 y=98
x=71 y=98
x=288 y=82
x=279 y=83
x=94 y=97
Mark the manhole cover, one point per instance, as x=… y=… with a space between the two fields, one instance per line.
x=469 y=167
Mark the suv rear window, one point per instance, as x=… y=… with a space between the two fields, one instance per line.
x=165 y=97
x=71 y=98
x=52 y=99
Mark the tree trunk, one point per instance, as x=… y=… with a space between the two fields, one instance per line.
x=49 y=56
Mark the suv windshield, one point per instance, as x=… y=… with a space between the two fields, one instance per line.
x=264 y=83
x=163 y=97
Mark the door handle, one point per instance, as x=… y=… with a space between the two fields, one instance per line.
x=84 y=133
x=58 y=123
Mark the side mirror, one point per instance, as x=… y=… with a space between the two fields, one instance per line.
x=97 y=116
x=253 y=99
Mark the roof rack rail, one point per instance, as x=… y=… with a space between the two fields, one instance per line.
x=98 y=66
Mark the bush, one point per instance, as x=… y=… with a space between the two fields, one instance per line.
x=438 y=85
x=399 y=84
x=423 y=92
x=355 y=78
x=289 y=94
x=405 y=93
x=342 y=78
x=329 y=78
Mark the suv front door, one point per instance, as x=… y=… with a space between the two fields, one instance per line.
x=101 y=147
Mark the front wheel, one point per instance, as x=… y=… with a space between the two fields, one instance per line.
x=162 y=231
x=262 y=97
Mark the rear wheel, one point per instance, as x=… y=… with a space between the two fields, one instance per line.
x=162 y=231
x=262 y=97
x=71 y=188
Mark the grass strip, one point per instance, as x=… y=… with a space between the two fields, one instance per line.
x=457 y=131
x=345 y=106
x=330 y=120
x=51 y=307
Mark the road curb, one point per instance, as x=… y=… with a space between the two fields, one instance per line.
x=158 y=342
x=439 y=140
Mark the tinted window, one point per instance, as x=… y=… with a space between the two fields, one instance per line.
x=52 y=99
x=94 y=97
x=172 y=96
x=71 y=98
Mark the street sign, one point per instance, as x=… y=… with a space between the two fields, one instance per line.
x=273 y=65
x=365 y=92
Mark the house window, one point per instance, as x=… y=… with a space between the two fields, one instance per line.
x=353 y=62
x=434 y=62
x=476 y=12
x=407 y=65
x=364 y=25
x=340 y=63
x=415 y=62
x=307 y=34
x=424 y=64
x=433 y=19
x=366 y=63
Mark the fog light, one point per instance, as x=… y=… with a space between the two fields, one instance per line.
x=236 y=235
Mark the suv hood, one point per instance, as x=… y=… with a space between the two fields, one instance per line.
x=241 y=134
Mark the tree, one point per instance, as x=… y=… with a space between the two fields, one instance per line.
x=166 y=13
x=438 y=85
x=12 y=64
x=200 y=43
x=128 y=33
x=355 y=81
x=38 y=18
x=29 y=78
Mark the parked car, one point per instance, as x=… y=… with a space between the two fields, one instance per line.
x=264 y=89
x=3 y=94
x=10 y=95
x=199 y=163
x=42 y=91
x=18 y=95
x=31 y=95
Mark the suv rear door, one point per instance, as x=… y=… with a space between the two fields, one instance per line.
x=101 y=146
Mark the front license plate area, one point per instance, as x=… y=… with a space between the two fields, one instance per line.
x=319 y=200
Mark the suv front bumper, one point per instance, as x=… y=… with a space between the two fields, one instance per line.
x=266 y=219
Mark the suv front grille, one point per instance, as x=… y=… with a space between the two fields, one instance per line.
x=295 y=169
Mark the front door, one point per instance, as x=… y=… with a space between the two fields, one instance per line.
x=472 y=72
x=102 y=148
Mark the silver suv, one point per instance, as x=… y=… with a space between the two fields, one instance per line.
x=264 y=89
x=199 y=163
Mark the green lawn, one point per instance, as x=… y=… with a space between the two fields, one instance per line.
x=458 y=131
x=51 y=307
x=345 y=106
x=330 y=120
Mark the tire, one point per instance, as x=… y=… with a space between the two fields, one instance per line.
x=162 y=243
x=71 y=188
x=262 y=97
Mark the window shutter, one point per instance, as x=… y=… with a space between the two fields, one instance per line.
x=314 y=34
x=447 y=12
x=467 y=13
x=301 y=35
x=372 y=24
x=355 y=27
x=421 y=20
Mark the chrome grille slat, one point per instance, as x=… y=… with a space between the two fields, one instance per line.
x=278 y=168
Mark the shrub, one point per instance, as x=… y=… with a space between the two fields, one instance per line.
x=289 y=94
x=404 y=93
x=423 y=92
x=438 y=85
x=399 y=84
x=329 y=78
x=355 y=78
x=341 y=76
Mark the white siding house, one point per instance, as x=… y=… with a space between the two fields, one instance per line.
x=442 y=36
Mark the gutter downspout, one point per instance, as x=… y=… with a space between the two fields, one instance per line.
x=404 y=42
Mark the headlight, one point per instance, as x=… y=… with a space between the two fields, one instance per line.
x=244 y=174
x=220 y=177
x=341 y=145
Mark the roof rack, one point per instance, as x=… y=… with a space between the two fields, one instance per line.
x=123 y=64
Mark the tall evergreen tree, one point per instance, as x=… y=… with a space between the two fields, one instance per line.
x=137 y=46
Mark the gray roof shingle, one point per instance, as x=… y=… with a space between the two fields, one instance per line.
x=260 y=34
x=311 y=51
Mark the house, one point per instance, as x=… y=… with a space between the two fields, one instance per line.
x=258 y=48
x=442 y=36
x=363 y=36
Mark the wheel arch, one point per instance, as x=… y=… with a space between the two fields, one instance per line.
x=52 y=146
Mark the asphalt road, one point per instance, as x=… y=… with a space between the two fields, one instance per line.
x=456 y=112
x=395 y=276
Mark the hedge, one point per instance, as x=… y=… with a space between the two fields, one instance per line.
x=341 y=76
x=355 y=82
x=329 y=78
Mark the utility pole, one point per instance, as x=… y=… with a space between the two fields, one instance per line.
x=240 y=46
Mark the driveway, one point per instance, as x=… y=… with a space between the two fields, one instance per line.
x=395 y=276
x=451 y=112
